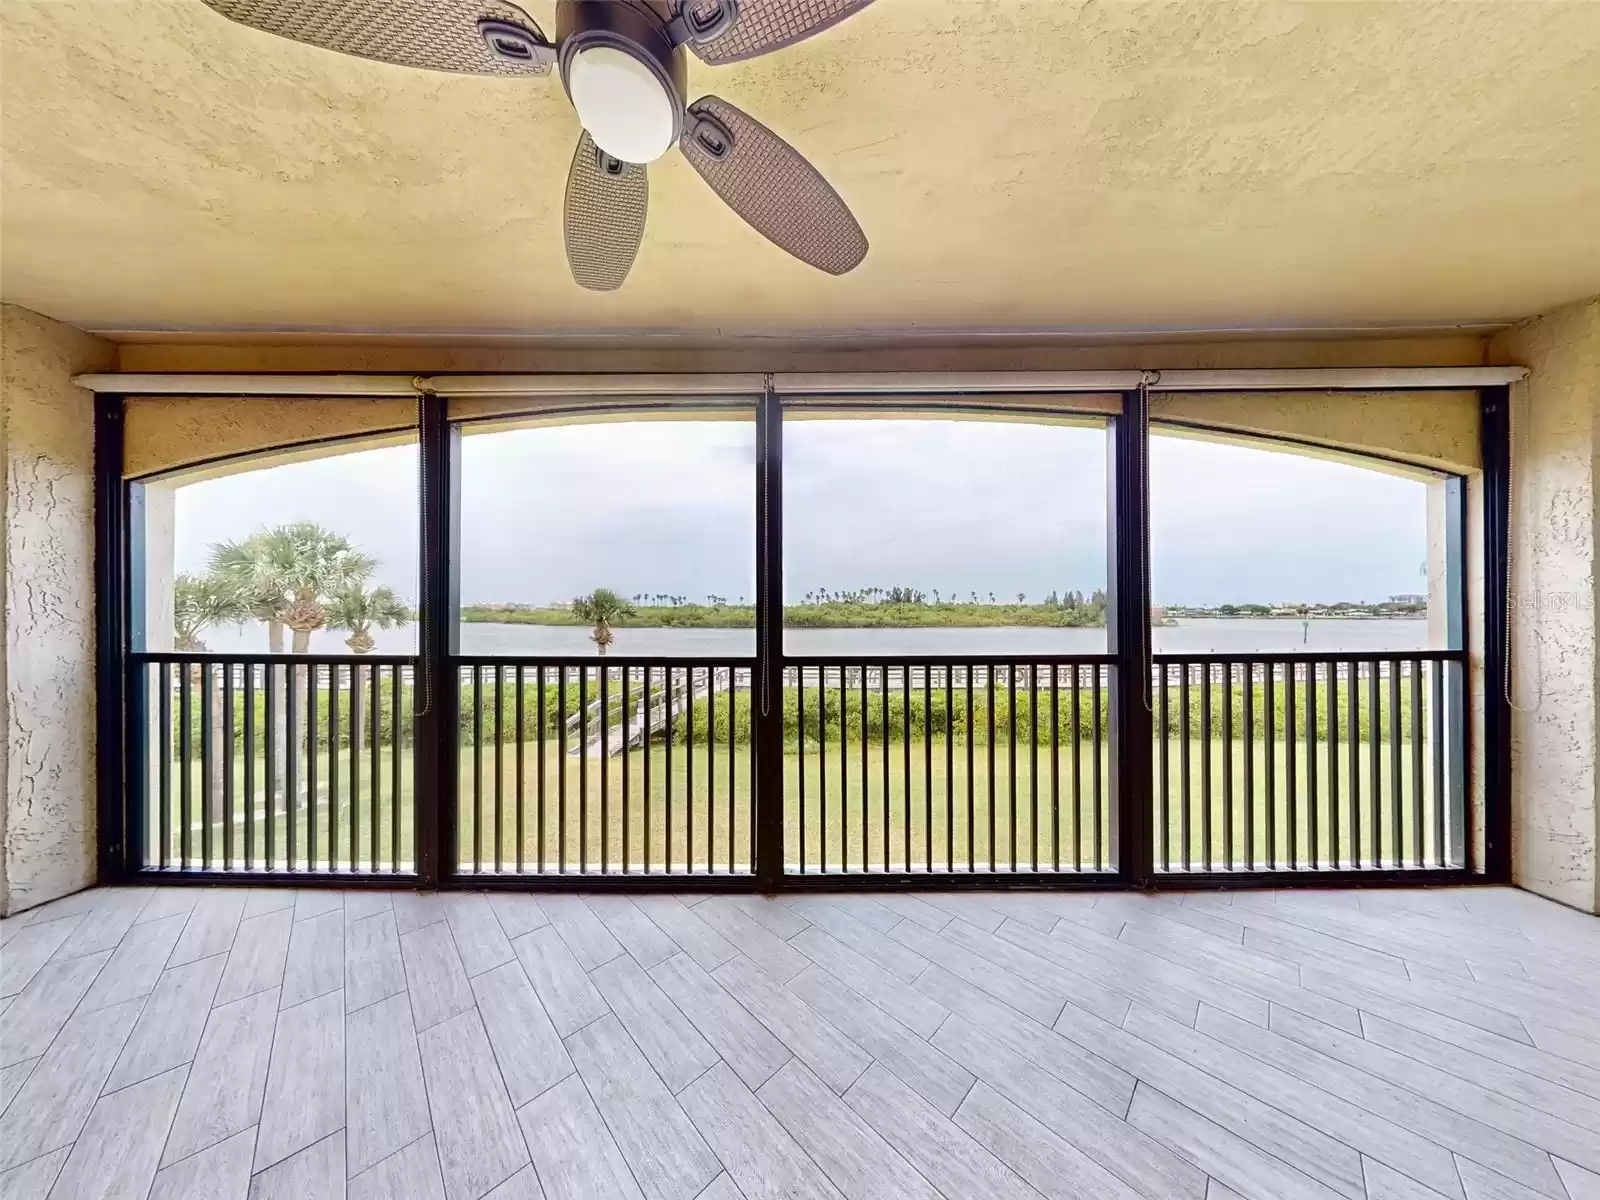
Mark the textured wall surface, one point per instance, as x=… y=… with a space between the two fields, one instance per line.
x=164 y=432
x=1555 y=648
x=47 y=822
x=1058 y=163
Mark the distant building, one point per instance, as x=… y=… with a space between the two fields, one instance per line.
x=1408 y=598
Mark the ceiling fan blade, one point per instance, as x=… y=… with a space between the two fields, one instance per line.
x=762 y=26
x=607 y=200
x=769 y=184
x=440 y=35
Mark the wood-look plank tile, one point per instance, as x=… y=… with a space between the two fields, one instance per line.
x=915 y=909
x=873 y=911
x=1023 y=994
x=758 y=943
x=764 y=1160
x=1101 y=1080
x=563 y=987
x=478 y=937
x=258 y=957
x=1528 y=1089
x=1581 y=1184
x=1055 y=1167
x=414 y=910
x=636 y=932
x=783 y=920
x=524 y=1185
x=1238 y=1164
x=136 y=963
x=361 y=903
x=573 y=1151
x=1409 y=1002
x=12 y=1078
x=893 y=956
x=526 y=1045
x=221 y=1172
x=373 y=969
x=722 y=1188
x=227 y=1078
x=1147 y=1166
x=315 y=965
x=31 y=948
x=742 y=1041
x=904 y=1003
x=39 y=1011
x=169 y=902
x=671 y=1043
x=517 y=913
x=931 y=1142
x=835 y=1059
x=933 y=1075
x=410 y=1173
x=32 y=1180
x=1091 y=995
x=120 y=1146
x=315 y=1173
x=692 y=935
x=105 y=925
x=168 y=1031
x=435 y=978
x=211 y=926
x=50 y=1109
x=1574 y=1142
x=1270 y=1129
x=850 y=1152
x=1383 y=1140
x=316 y=902
x=669 y=1159
x=263 y=900
x=386 y=1101
x=586 y=936
x=474 y=1126
x=1385 y=1183
x=1439 y=1124
x=1483 y=1184
x=304 y=1099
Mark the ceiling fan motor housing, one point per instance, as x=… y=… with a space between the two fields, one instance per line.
x=623 y=74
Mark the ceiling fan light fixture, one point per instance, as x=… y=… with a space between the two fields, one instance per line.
x=624 y=104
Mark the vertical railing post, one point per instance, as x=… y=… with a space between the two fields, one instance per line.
x=436 y=692
x=1128 y=627
x=1495 y=437
x=767 y=697
x=111 y=612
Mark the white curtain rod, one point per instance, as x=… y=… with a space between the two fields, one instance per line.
x=805 y=384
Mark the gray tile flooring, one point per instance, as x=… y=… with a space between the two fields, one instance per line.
x=238 y=1044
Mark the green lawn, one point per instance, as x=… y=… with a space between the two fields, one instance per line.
x=595 y=821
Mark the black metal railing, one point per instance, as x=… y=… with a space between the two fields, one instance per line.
x=1309 y=762
x=272 y=763
x=605 y=767
x=947 y=766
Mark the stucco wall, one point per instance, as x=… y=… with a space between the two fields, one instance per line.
x=47 y=821
x=1554 y=645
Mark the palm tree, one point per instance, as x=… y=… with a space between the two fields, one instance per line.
x=361 y=611
x=286 y=576
x=199 y=602
x=601 y=608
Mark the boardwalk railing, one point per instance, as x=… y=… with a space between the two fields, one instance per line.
x=1309 y=762
x=272 y=763
x=597 y=766
x=947 y=766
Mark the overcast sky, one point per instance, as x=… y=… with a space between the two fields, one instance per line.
x=958 y=506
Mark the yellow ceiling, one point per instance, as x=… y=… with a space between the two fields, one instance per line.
x=1015 y=163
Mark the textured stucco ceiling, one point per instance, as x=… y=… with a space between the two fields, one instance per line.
x=1016 y=163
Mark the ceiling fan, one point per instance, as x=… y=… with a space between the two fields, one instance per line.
x=623 y=66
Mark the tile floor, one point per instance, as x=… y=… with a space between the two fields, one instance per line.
x=276 y=1045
